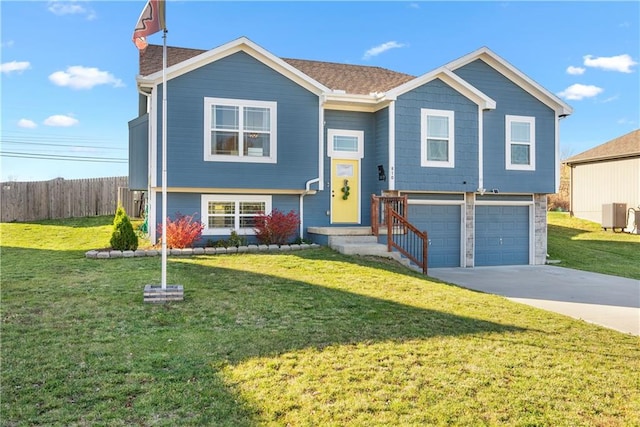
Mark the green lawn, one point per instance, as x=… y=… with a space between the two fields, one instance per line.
x=299 y=338
x=584 y=245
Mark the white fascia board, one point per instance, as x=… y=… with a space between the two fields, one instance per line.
x=242 y=44
x=351 y=102
x=518 y=77
x=451 y=79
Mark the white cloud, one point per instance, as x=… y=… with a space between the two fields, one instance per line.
x=414 y=5
x=15 y=66
x=621 y=63
x=26 y=123
x=79 y=77
x=377 y=50
x=72 y=7
x=578 y=91
x=575 y=71
x=8 y=43
x=60 y=120
x=625 y=121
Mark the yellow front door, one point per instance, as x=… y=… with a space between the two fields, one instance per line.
x=345 y=191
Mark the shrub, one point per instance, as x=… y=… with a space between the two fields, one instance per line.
x=183 y=232
x=555 y=202
x=277 y=228
x=123 y=237
x=237 y=240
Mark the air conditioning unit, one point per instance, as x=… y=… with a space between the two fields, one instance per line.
x=614 y=215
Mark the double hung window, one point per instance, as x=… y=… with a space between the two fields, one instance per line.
x=520 y=143
x=240 y=130
x=223 y=213
x=437 y=138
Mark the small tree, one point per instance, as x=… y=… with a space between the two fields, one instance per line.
x=277 y=228
x=123 y=238
x=183 y=232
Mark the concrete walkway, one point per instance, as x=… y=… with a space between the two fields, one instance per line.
x=609 y=301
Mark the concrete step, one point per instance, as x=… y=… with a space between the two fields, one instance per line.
x=361 y=249
x=367 y=245
x=344 y=240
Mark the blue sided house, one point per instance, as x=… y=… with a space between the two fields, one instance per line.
x=473 y=145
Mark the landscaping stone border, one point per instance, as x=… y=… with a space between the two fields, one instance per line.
x=108 y=254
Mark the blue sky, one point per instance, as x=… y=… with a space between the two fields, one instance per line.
x=68 y=67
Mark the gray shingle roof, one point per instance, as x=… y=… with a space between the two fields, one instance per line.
x=625 y=146
x=353 y=79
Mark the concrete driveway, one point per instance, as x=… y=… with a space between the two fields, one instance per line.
x=609 y=301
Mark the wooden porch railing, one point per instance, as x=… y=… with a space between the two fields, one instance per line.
x=390 y=213
x=406 y=238
x=378 y=209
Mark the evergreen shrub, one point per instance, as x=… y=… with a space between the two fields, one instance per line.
x=123 y=237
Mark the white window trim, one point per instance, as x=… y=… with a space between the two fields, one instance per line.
x=359 y=154
x=532 y=144
x=424 y=162
x=273 y=106
x=204 y=209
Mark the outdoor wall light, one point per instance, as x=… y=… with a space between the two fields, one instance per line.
x=381 y=175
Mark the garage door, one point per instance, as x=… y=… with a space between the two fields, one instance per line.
x=502 y=235
x=443 y=224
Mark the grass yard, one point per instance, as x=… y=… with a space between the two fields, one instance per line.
x=299 y=338
x=584 y=245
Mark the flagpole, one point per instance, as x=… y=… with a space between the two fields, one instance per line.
x=164 y=160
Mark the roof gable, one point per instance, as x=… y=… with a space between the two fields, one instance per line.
x=185 y=60
x=624 y=146
x=516 y=76
x=450 y=79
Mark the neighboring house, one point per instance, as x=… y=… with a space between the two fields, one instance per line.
x=474 y=145
x=608 y=173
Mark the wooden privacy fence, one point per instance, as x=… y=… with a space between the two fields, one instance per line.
x=60 y=198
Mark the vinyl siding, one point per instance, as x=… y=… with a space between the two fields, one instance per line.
x=410 y=175
x=595 y=184
x=239 y=76
x=513 y=100
x=139 y=153
x=381 y=149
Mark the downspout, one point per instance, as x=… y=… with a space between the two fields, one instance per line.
x=307 y=190
x=320 y=179
x=150 y=233
x=480 y=148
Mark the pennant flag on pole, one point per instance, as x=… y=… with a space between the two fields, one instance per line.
x=152 y=20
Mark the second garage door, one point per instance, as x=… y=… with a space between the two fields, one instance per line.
x=502 y=235
x=443 y=224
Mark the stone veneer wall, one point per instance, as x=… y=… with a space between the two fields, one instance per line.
x=469 y=202
x=540 y=228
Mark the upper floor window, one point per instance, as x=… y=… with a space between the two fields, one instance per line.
x=222 y=213
x=240 y=130
x=521 y=143
x=437 y=138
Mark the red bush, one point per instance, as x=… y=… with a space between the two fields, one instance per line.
x=277 y=228
x=183 y=232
